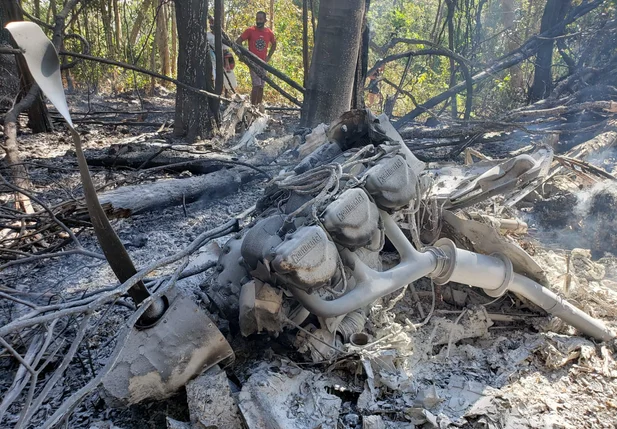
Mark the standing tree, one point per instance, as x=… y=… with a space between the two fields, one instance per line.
x=38 y=117
x=335 y=57
x=554 y=13
x=192 y=117
x=218 y=52
x=162 y=38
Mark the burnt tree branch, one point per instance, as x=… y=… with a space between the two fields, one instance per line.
x=528 y=49
x=468 y=85
x=144 y=71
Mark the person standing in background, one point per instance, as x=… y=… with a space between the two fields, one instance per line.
x=229 y=81
x=259 y=38
x=374 y=91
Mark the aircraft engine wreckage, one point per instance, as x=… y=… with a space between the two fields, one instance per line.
x=316 y=246
x=314 y=252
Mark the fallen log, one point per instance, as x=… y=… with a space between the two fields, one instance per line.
x=458 y=131
x=135 y=199
x=555 y=126
x=116 y=123
x=130 y=200
x=156 y=159
x=529 y=112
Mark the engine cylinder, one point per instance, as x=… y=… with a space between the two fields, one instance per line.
x=392 y=183
x=307 y=259
x=352 y=219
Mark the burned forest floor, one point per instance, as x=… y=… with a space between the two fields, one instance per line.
x=441 y=356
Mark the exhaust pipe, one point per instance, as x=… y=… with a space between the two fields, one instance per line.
x=495 y=275
x=444 y=262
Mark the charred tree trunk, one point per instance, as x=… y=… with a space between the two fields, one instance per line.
x=192 y=117
x=554 y=12
x=38 y=117
x=218 y=55
x=357 y=101
x=218 y=45
x=333 y=66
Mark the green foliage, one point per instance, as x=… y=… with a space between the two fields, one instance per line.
x=481 y=35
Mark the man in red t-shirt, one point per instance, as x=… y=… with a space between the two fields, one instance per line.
x=259 y=38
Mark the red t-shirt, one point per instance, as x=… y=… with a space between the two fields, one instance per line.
x=259 y=40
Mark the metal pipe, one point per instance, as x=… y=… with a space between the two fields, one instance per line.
x=373 y=284
x=495 y=275
x=445 y=263
x=478 y=270
x=561 y=308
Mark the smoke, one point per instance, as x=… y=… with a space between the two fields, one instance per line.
x=586 y=196
x=606 y=159
x=583 y=219
x=596 y=209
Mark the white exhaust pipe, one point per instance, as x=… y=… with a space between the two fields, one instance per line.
x=495 y=275
x=444 y=263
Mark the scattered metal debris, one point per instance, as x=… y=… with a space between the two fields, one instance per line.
x=321 y=265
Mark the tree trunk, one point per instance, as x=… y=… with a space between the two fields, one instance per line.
x=509 y=12
x=305 y=48
x=554 y=12
x=106 y=21
x=19 y=174
x=218 y=45
x=450 y=19
x=478 y=32
x=118 y=28
x=145 y=6
x=272 y=15
x=38 y=117
x=162 y=39
x=313 y=22
x=192 y=117
x=435 y=31
x=357 y=101
x=174 y=41
x=128 y=200
x=333 y=66
x=152 y=66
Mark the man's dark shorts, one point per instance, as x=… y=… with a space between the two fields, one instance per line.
x=373 y=87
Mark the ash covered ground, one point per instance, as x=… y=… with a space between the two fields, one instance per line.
x=446 y=356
